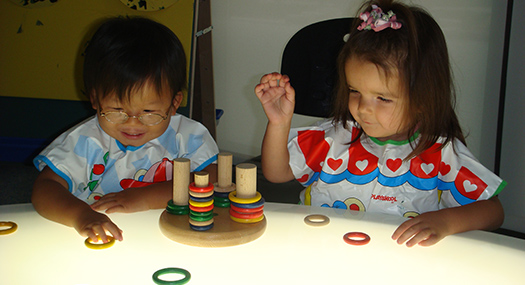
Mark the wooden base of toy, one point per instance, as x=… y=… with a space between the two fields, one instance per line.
x=225 y=232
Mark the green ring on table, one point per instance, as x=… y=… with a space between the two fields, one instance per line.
x=158 y=273
x=89 y=243
x=233 y=197
x=194 y=188
x=201 y=204
x=202 y=218
x=249 y=206
x=201 y=229
x=12 y=228
x=221 y=204
x=349 y=238
x=247 y=221
x=247 y=210
x=246 y=216
x=201 y=210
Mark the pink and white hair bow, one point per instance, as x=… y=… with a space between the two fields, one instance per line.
x=377 y=21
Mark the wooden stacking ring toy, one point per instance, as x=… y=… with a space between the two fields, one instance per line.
x=171 y=270
x=316 y=220
x=356 y=238
x=233 y=198
x=89 y=243
x=11 y=228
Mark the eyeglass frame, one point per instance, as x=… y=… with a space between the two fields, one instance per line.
x=139 y=117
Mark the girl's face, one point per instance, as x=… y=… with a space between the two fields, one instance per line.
x=142 y=101
x=375 y=102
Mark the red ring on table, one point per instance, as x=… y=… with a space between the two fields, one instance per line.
x=203 y=209
x=246 y=210
x=194 y=188
x=246 y=216
x=362 y=238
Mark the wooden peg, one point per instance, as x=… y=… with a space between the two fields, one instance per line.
x=181 y=181
x=201 y=179
x=225 y=169
x=246 y=180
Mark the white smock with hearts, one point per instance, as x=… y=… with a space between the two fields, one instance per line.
x=372 y=175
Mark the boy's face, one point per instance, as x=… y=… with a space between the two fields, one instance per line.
x=142 y=101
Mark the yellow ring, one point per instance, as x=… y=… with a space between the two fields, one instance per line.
x=247 y=221
x=234 y=199
x=89 y=243
x=10 y=230
x=201 y=204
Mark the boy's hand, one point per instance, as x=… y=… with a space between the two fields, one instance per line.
x=93 y=224
x=426 y=229
x=277 y=97
x=126 y=201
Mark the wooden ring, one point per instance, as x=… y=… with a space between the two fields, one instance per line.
x=11 y=228
x=316 y=220
x=356 y=238
x=89 y=243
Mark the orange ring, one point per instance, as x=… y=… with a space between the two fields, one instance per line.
x=362 y=238
x=205 y=189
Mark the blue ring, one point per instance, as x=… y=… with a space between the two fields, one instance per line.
x=221 y=194
x=203 y=228
x=249 y=206
x=201 y=199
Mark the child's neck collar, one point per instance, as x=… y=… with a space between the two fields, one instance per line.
x=396 y=142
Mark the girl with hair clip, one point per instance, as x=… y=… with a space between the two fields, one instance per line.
x=394 y=144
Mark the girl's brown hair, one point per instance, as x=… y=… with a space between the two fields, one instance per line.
x=417 y=52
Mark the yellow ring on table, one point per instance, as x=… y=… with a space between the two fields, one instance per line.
x=247 y=221
x=233 y=197
x=316 y=220
x=89 y=243
x=201 y=204
x=11 y=228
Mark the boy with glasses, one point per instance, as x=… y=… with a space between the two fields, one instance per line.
x=120 y=160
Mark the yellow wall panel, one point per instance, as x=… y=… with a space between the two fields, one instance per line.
x=40 y=48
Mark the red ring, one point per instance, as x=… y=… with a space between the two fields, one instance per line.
x=362 y=238
x=201 y=209
x=246 y=210
x=194 y=188
x=247 y=216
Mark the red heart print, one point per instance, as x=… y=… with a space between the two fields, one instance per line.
x=444 y=169
x=394 y=164
x=303 y=179
x=334 y=164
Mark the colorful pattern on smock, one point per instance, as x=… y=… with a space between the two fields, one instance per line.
x=371 y=175
x=95 y=164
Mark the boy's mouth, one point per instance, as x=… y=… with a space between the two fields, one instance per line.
x=132 y=136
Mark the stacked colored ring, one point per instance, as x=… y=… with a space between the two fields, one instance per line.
x=246 y=211
x=176 y=209
x=201 y=207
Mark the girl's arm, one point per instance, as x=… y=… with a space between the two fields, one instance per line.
x=277 y=97
x=53 y=201
x=429 y=228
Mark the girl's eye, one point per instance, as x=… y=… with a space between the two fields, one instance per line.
x=352 y=90
x=383 y=99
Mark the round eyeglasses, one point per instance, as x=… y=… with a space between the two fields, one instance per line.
x=148 y=119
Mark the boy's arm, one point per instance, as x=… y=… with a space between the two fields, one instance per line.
x=429 y=228
x=154 y=196
x=53 y=201
x=278 y=100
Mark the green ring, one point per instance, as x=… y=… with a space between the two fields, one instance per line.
x=201 y=218
x=201 y=214
x=168 y=270
x=222 y=205
x=172 y=206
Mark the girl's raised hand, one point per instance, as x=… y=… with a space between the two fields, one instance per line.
x=277 y=97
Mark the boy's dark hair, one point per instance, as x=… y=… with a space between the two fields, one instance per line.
x=126 y=53
x=417 y=52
